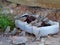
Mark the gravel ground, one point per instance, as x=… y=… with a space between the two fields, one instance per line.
x=49 y=40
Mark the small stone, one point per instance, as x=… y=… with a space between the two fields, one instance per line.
x=19 y=39
x=7 y=29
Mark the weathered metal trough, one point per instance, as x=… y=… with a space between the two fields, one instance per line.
x=38 y=31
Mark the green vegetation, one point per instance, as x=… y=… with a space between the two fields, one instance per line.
x=5 y=21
